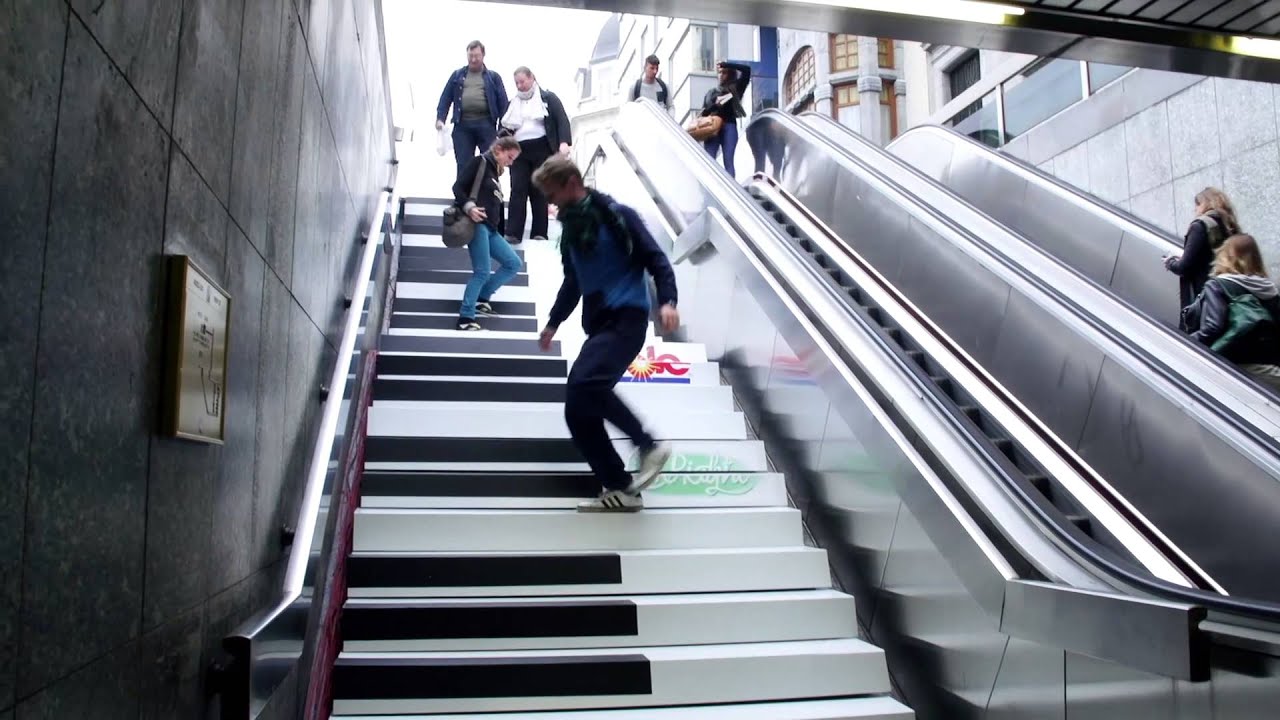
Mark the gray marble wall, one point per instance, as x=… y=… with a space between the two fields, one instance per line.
x=252 y=135
x=1152 y=161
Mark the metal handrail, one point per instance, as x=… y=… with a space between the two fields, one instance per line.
x=283 y=619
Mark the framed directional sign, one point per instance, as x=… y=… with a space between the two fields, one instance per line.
x=198 y=319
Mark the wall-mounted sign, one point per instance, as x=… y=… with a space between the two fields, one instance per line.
x=198 y=317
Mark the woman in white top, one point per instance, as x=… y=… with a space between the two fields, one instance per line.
x=537 y=119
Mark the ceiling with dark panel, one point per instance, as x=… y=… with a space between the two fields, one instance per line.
x=1204 y=37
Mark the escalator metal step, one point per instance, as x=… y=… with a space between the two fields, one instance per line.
x=916 y=356
x=943 y=383
x=1083 y=522
x=973 y=412
x=1004 y=445
x=1041 y=483
x=895 y=334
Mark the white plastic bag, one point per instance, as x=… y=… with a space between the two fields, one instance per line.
x=442 y=147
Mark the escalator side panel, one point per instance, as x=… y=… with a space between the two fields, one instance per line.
x=1087 y=242
x=879 y=224
x=1178 y=485
x=1141 y=279
x=1059 y=368
x=1214 y=477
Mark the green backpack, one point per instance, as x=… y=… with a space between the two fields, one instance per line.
x=1245 y=315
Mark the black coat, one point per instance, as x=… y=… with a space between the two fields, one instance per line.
x=1197 y=256
x=1207 y=320
x=732 y=110
x=490 y=196
x=559 y=129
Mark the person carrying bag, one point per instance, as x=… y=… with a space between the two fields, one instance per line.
x=482 y=210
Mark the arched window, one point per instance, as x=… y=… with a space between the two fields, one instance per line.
x=801 y=76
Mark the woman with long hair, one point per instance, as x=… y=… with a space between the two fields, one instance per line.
x=487 y=245
x=725 y=101
x=1214 y=222
x=1239 y=274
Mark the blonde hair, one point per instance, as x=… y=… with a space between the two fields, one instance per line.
x=557 y=171
x=1239 y=255
x=1214 y=199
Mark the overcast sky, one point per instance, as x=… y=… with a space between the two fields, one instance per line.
x=427 y=39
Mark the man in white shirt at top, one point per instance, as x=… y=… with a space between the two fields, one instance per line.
x=651 y=86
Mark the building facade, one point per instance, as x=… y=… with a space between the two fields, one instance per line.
x=859 y=81
x=689 y=51
x=1143 y=140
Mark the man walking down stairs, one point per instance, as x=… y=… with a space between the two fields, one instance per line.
x=477 y=591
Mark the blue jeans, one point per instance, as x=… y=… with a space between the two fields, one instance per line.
x=487 y=245
x=727 y=139
x=470 y=137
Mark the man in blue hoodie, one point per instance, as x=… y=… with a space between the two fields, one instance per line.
x=606 y=250
x=479 y=101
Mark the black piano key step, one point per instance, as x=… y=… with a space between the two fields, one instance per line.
x=466 y=344
x=463 y=571
x=425 y=391
x=438 y=365
x=451 y=277
x=442 y=619
x=448 y=322
x=470 y=450
x=405 y=676
x=429 y=305
x=476 y=484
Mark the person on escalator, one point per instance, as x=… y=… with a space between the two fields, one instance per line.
x=606 y=250
x=487 y=244
x=1237 y=314
x=1215 y=221
x=725 y=102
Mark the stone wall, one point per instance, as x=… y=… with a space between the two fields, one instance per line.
x=254 y=136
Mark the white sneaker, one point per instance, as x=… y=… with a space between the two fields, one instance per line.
x=612 y=501
x=651 y=463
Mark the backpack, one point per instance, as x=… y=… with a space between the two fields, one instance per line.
x=662 y=91
x=1246 y=317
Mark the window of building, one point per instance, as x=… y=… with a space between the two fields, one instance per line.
x=980 y=121
x=644 y=43
x=1101 y=75
x=802 y=74
x=964 y=75
x=844 y=106
x=884 y=52
x=845 y=96
x=628 y=70
x=704 y=46
x=1042 y=91
x=844 y=53
x=889 y=109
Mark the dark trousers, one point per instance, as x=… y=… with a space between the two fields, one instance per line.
x=727 y=140
x=532 y=154
x=470 y=137
x=590 y=399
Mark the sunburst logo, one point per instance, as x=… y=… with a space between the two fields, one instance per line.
x=642 y=369
x=651 y=367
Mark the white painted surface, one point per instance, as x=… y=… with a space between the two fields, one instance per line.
x=686 y=456
x=404 y=530
x=473 y=422
x=864 y=708
x=672 y=490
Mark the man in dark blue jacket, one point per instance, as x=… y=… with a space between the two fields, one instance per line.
x=606 y=250
x=479 y=101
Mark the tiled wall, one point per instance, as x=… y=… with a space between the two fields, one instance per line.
x=1214 y=132
x=252 y=135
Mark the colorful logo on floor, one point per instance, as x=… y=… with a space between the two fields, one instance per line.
x=651 y=367
x=709 y=485
x=693 y=463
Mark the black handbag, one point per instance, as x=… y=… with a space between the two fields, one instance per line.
x=458 y=227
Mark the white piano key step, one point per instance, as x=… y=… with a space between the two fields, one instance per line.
x=407 y=530
x=467 y=422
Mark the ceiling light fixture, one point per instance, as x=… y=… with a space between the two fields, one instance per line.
x=967 y=10
x=1257 y=47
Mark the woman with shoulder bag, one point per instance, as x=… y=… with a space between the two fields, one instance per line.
x=487 y=244
x=1236 y=314
x=718 y=125
x=1214 y=222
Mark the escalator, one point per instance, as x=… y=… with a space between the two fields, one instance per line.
x=1052 y=589
x=1184 y=449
